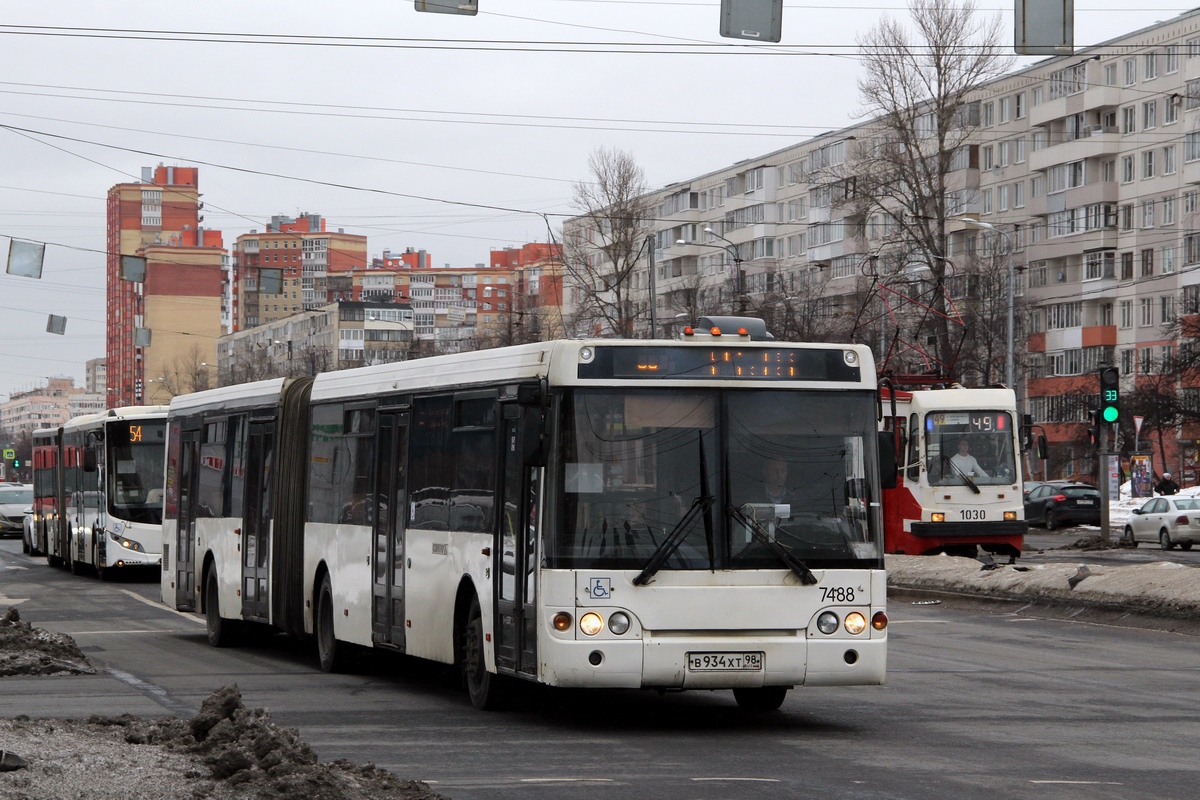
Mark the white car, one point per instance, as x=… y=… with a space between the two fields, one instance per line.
x=14 y=499
x=1169 y=521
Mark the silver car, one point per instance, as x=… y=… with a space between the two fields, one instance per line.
x=15 y=499
x=1169 y=521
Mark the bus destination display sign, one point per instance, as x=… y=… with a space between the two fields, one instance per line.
x=719 y=363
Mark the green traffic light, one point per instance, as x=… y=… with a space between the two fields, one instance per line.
x=1111 y=414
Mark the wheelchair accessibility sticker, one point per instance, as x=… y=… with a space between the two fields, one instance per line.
x=600 y=588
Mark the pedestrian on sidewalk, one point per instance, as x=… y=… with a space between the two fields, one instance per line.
x=1166 y=485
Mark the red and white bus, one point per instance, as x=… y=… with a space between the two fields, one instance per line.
x=959 y=487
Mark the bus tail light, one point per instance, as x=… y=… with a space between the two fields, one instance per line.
x=879 y=621
x=562 y=621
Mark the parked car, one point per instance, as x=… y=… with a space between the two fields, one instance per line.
x=28 y=544
x=1169 y=521
x=1058 y=503
x=14 y=499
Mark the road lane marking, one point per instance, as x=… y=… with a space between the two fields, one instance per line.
x=155 y=604
x=567 y=780
x=11 y=601
x=155 y=693
x=1084 y=783
x=747 y=780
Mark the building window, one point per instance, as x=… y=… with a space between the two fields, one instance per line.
x=1019 y=103
x=1168 y=160
x=1171 y=56
x=1168 y=215
x=1110 y=74
x=1151 y=67
x=1126 y=307
x=1146 y=317
x=989 y=115
x=1168 y=259
x=1129 y=120
x=1149 y=114
x=1148 y=214
x=1130 y=71
x=1127 y=266
x=1148 y=164
x=1171 y=110
x=1147 y=263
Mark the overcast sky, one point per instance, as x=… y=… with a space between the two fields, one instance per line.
x=443 y=133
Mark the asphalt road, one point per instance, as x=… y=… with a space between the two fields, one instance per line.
x=1043 y=546
x=977 y=704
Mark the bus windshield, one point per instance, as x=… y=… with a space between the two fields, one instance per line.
x=970 y=447
x=136 y=450
x=745 y=473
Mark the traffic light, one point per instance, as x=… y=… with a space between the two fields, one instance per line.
x=1094 y=429
x=16 y=463
x=1110 y=394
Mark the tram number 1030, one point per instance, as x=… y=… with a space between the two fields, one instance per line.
x=972 y=513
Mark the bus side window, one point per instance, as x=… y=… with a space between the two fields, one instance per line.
x=914 y=449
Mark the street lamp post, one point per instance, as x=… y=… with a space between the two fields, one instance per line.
x=731 y=250
x=1008 y=359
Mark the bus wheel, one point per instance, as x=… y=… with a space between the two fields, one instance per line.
x=762 y=698
x=54 y=561
x=221 y=632
x=330 y=652
x=483 y=686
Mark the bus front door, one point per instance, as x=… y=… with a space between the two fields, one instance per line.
x=515 y=562
x=185 y=533
x=388 y=517
x=256 y=522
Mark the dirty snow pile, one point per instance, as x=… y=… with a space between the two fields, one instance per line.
x=226 y=752
x=25 y=650
x=1163 y=587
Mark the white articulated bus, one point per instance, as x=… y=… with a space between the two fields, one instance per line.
x=99 y=490
x=585 y=513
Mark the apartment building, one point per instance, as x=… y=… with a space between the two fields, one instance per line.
x=1085 y=167
x=336 y=336
x=297 y=256
x=158 y=209
x=48 y=406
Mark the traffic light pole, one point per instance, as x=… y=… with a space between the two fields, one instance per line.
x=1104 y=483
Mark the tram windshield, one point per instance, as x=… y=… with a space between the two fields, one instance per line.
x=742 y=479
x=972 y=448
x=136 y=451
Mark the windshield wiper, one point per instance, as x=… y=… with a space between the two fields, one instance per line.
x=671 y=543
x=798 y=568
x=966 y=478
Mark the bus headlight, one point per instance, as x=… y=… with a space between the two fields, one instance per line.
x=591 y=623
x=618 y=623
x=827 y=622
x=1010 y=516
x=937 y=516
x=855 y=623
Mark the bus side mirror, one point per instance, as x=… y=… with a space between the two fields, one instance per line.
x=887 y=460
x=534 y=441
x=1041 y=446
x=89 y=460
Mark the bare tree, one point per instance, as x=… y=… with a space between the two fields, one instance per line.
x=918 y=78
x=187 y=373
x=606 y=244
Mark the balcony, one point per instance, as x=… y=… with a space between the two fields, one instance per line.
x=1101 y=142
